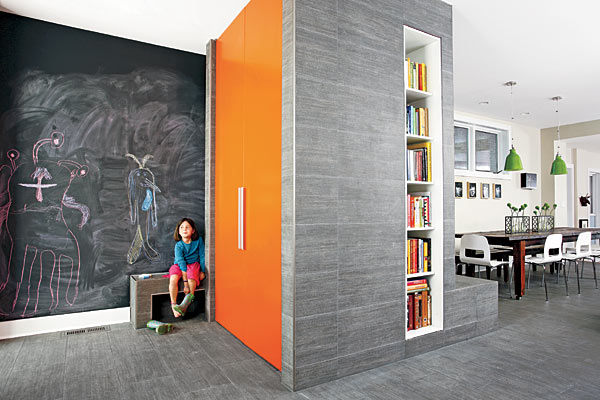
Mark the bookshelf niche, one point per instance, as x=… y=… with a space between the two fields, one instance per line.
x=424 y=286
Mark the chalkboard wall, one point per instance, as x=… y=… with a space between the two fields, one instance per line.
x=101 y=154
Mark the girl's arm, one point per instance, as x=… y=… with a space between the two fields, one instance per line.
x=201 y=253
x=179 y=258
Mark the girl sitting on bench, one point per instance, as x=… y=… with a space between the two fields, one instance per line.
x=189 y=265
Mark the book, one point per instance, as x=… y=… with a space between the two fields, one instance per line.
x=416 y=282
x=429 y=307
x=417 y=310
x=425 y=296
x=425 y=149
x=411 y=313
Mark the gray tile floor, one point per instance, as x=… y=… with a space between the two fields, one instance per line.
x=542 y=350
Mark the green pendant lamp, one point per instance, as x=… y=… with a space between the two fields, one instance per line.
x=558 y=165
x=513 y=161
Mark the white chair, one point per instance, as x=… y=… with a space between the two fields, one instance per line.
x=552 y=254
x=475 y=250
x=582 y=251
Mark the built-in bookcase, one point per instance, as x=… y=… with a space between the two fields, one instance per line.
x=424 y=179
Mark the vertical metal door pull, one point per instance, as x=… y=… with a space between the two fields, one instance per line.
x=241 y=217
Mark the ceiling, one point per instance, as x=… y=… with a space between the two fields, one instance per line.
x=549 y=47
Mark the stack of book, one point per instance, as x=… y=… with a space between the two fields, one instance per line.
x=418 y=162
x=418 y=304
x=416 y=75
x=417 y=210
x=418 y=255
x=417 y=121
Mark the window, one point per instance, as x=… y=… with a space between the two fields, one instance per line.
x=479 y=147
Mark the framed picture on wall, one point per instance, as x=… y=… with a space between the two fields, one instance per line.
x=485 y=190
x=458 y=190
x=497 y=191
x=472 y=187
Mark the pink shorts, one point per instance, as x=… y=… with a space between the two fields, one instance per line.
x=193 y=271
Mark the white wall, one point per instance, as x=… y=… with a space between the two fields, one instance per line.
x=488 y=214
x=584 y=161
x=183 y=24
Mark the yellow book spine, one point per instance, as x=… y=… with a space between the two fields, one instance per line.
x=409 y=72
x=428 y=147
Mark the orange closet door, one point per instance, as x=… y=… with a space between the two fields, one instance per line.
x=229 y=127
x=262 y=166
x=248 y=130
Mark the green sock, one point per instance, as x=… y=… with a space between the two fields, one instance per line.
x=187 y=300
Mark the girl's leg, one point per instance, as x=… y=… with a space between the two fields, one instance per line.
x=173 y=289
x=193 y=284
x=187 y=300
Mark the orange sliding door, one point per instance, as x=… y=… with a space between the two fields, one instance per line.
x=248 y=155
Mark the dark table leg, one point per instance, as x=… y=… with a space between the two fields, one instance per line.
x=519 y=268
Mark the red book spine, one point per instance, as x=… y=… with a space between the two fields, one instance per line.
x=411 y=312
x=417 y=312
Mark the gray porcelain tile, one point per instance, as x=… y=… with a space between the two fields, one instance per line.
x=316 y=55
x=39 y=354
x=370 y=327
x=368 y=285
x=368 y=200
x=248 y=372
x=316 y=339
x=319 y=16
x=44 y=381
x=96 y=385
x=316 y=293
x=371 y=358
x=383 y=117
x=316 y=248
x=316 y=199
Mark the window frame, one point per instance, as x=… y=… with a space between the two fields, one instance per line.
x=504 y=133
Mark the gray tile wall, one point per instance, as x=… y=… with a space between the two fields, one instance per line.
x=343 y=188
x=288 y=198
x=209 y=205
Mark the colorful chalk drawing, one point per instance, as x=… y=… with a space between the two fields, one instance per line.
x=41 y=251
x=142 y=209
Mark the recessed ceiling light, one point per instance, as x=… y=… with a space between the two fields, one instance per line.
x=484 y=103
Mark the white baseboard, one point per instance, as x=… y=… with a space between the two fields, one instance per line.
x=65 y=322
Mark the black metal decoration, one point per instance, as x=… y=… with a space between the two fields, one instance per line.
x=542 y=223
x=516 y=224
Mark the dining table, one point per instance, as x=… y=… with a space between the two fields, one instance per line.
x=520 y=241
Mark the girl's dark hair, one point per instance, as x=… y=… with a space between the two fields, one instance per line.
x=195 y=235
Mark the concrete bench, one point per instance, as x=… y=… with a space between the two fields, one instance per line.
x=148 y=295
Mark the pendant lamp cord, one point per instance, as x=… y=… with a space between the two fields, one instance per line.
x=511 y=84
x=556 y=99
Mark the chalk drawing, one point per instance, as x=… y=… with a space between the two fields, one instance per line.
x=142 y=209
x=43 y=251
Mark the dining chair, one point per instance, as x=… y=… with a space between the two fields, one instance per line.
x=475 y=250
x=582 y=251
x=552 y=254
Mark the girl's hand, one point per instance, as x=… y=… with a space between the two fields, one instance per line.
x=186 y=288
x=202 y=275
